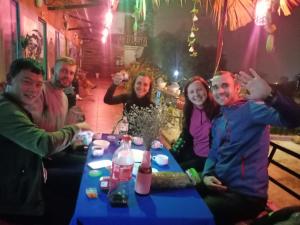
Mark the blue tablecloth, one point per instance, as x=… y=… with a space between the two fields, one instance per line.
x=173 y=207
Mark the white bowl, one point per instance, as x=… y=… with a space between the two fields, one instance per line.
x=138 y=140
x=98 y=152
x=111 y=137
x=102 y=143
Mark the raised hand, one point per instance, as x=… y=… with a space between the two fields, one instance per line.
x=258 y=88
x=117 y=78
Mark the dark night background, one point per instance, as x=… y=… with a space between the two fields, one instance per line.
x=284 y=61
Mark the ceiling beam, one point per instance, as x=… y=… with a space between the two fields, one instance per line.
x=89 y=39
x=73 y=6
x=81 y=28
x=81 y=19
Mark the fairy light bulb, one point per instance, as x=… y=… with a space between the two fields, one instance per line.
x=195 y=18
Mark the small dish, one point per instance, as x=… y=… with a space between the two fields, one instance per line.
x=138 y=140
x=156 y=144
x=102 y=143
x=100 y=164
x=161 y=160
x=97 y=152
x=111 y=137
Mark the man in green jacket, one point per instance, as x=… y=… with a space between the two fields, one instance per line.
x=23 y=144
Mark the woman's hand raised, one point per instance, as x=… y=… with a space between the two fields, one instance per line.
x=117 y=78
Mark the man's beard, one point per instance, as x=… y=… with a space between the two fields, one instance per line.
x=61 y=85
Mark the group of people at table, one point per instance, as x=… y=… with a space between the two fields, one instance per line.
x=225 y=135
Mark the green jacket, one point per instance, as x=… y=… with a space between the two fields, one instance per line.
x=22 y=146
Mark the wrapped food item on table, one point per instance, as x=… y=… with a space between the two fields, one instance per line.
x=296 y=139
x=169 y=180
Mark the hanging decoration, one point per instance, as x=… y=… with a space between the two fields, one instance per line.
x=270 y=29
x=140 y=11
x=263 y=18
x=262 y=12
x=220 y=36
x=241 y=12
x=192 y=37
x=231 y=13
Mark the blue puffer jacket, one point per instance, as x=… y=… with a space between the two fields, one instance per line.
x=240 y=146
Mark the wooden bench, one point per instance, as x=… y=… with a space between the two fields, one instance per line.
x=276 y=147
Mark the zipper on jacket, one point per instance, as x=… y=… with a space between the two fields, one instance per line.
x=242 y=167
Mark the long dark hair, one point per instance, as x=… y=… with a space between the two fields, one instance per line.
x=210 y=107
x=148 y=96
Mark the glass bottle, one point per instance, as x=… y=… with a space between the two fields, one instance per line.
x=144 y=175
x=123 y=130
x=121 y=173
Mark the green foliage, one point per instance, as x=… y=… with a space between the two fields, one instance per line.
x=284 y=131
x=24 y=41
x=146 y=122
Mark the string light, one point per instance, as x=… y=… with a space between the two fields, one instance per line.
x=192 y=37
x=195 y=18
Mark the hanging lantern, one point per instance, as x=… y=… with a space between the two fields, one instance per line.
x=261 y=12
x=270 y=43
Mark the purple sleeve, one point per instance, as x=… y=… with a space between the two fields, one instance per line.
x=288 y=109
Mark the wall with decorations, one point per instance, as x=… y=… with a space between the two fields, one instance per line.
x=43 y=35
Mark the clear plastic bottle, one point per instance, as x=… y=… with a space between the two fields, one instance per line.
x=122 y=165
x=123 y=126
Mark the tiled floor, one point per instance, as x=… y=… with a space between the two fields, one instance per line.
x=103 y=117
x=100 y=116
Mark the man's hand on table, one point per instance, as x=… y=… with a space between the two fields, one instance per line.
x=83 y=126
x=214 y=183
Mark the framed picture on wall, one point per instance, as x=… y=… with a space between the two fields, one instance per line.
x=57 y=45
x=62 y=42
x=50 y=49
x=42 y=28
x=8 y=36
x=72 y=51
